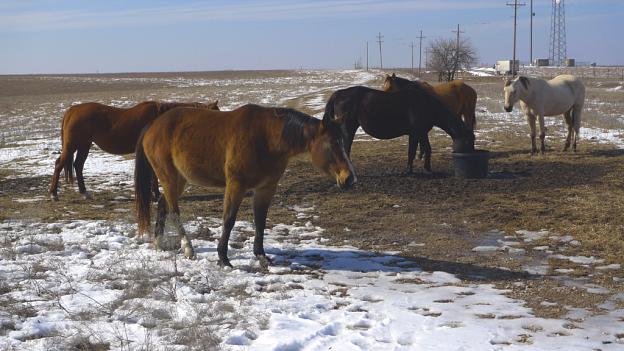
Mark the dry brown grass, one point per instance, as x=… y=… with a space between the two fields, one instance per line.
x=578 y=194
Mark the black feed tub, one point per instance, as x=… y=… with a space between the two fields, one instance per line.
x=471 y=165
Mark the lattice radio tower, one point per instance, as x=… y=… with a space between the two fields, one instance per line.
x=557 y=50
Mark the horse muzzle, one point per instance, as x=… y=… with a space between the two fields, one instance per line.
x=346 y=181
x=508 y=108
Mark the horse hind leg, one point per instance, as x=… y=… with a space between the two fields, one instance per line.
x=576 y=118
x=411 y=152
x=58 y=167
x=542 y=134
x=570 y=124
x=425 y=146
x=63 y=162
x=172 y=193
x=161 y=217
x=81 y=157
x=531 y=121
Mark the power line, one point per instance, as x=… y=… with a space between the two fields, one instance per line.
x=379 y=37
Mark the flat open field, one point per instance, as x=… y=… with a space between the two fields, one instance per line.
x=529 y=258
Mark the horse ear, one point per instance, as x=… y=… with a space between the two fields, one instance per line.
x=393 y=75
x=524 y=82
x=340 y=120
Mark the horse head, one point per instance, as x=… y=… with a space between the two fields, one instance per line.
x=394 y=83
x=211 y=106
x=465 y=143
x=514 y=90
x=329 y=155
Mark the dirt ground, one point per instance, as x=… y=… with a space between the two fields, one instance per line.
x=437 y=220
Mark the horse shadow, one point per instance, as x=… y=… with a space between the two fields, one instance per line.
x=353 y=260
x=608 y=153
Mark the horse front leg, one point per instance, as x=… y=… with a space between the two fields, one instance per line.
x=531 y=121
x=261 y=202
x=234 y=193
x=542 y=133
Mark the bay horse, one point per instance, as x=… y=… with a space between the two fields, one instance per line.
x=247 y=148
x=460 y=97
x=115 y=130
x=564 y=94
x=387 y=115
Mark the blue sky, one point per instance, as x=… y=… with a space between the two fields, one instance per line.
x=45 y=36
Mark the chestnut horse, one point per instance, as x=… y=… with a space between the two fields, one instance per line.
x=247 y=148
x=386 y=115
x=457 y=95
x=115 y=130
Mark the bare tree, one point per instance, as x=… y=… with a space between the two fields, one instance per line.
x=447 y=57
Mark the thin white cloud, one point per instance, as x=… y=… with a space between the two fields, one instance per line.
x=257 y=11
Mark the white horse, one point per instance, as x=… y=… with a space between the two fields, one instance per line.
x=564 y=94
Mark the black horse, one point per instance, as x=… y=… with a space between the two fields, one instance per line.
x=387 y=115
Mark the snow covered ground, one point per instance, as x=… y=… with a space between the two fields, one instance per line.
x=75 y=283
x=93 y=279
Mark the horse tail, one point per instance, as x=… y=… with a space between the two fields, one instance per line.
x=471 y=106
x=143 y=178
x=68 y=170
x=329 y=109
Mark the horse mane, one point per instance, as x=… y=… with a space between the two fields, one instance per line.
x=294 y=132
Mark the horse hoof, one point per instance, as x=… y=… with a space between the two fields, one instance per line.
x=224 y=263
x=87 y=196
x=189 y=253
x=264 y=261
x=54 y=197
x=158 y=244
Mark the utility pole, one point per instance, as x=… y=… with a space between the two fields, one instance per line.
x=513 y=62
x=458 y=32
x=420 y=52
x=412 y=47
x=531 y=40
x=366 y=56
x=457 y=49
x=379 y=37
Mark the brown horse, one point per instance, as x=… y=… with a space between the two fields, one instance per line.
x=457 y=95
x=413 y=111
x=247 y=148
x=115 y=130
